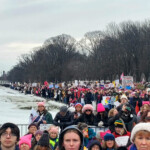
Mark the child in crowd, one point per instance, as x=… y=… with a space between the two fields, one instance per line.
x=53 y=132
x=78 y=110
x=25 y=142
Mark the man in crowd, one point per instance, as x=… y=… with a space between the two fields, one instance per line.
x=9 y=136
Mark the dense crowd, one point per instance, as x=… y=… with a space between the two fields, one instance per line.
x=126 y=123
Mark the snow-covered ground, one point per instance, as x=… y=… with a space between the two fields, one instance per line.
x=16 y=107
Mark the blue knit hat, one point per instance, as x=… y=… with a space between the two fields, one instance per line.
x=108 y=137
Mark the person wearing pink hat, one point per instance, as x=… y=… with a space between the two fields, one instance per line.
x=44 y=116
x=101 y=118
x=87 y=115
x=25 y=142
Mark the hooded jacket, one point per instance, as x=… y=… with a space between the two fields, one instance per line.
x=62 y=136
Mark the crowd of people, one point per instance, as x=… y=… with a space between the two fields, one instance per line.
x=127 y=124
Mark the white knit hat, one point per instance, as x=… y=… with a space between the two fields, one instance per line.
x=139 y=127
x=124 y=96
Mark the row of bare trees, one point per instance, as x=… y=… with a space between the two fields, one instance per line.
x=98 y=55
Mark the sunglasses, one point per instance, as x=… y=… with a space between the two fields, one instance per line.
x=88 y=110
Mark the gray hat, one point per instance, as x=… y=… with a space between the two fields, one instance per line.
x=63 y=109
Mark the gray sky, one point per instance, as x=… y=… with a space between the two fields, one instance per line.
x=26 y=24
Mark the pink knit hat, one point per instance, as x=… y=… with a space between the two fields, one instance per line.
x=25 y=140
x=100 y=107
x=54 y=129
x=41 y=104
x=87 y=107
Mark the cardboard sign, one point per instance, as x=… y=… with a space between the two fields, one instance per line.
x=122 y=140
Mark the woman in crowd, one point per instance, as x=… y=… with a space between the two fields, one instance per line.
x=71 y=138
x=87 y=116
x=146 y=117
x=140 y=137
x=109 y=142
x=101 y=117
x=36 y=138
x=143 y=109
x=44 y=117
x=113 y=115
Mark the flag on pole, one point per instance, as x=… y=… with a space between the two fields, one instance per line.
x=122 y=75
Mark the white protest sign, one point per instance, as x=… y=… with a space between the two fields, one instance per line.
x=122 y=140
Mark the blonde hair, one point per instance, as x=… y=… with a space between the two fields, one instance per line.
x=111 y=112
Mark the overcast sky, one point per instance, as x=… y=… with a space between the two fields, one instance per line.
x=26 y=24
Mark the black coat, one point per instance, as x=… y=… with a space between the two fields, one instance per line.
x=88 y=119
x=63 y=121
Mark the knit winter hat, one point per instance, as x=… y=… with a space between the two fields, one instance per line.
x=63 y=109
x=25 y=140
x=32 y=124
x=118 y=123
x=87 y=107
x=41 y=104
x=44 y=140
x=38 y=132
x=54 y=129
x=92 y=143
x=108 y=137
x=124 y=96
x=139 y=127
x=78 y=104
x=14 y=129
x=100 y=107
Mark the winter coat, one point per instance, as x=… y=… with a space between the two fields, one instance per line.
x=94 y=142
x=119 y=108
x=88 y=140
x=88 y=119
x=61 y=136
x=111 y=121
x=88 y=98
x=132 y=147
x=103 y=118
x=63 y=121
x=45 y=116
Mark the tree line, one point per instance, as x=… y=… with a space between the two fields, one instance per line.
x=123 y=47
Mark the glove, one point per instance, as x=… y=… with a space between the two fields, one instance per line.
x=100 y=124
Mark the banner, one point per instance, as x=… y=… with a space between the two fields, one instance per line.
x=127 y=81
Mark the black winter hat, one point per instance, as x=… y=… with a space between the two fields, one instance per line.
x=44 y=140
x=14 y=129
x=92 y=143
x=63 y=109
x=32 y=124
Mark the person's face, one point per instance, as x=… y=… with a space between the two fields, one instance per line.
x=8 y=139
x=38 y=136
x=78 y=108
x=53 y=135
x=24 y=146
x=123 y=100
x=32 y=129
x=95 y=147
x=142 y=141
x=63 y=113
x=41 y=108
x=71 y=141
x=148 y=114
x=120 y=131
x=110 y=143
x=115 y=112
x=88 y=112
